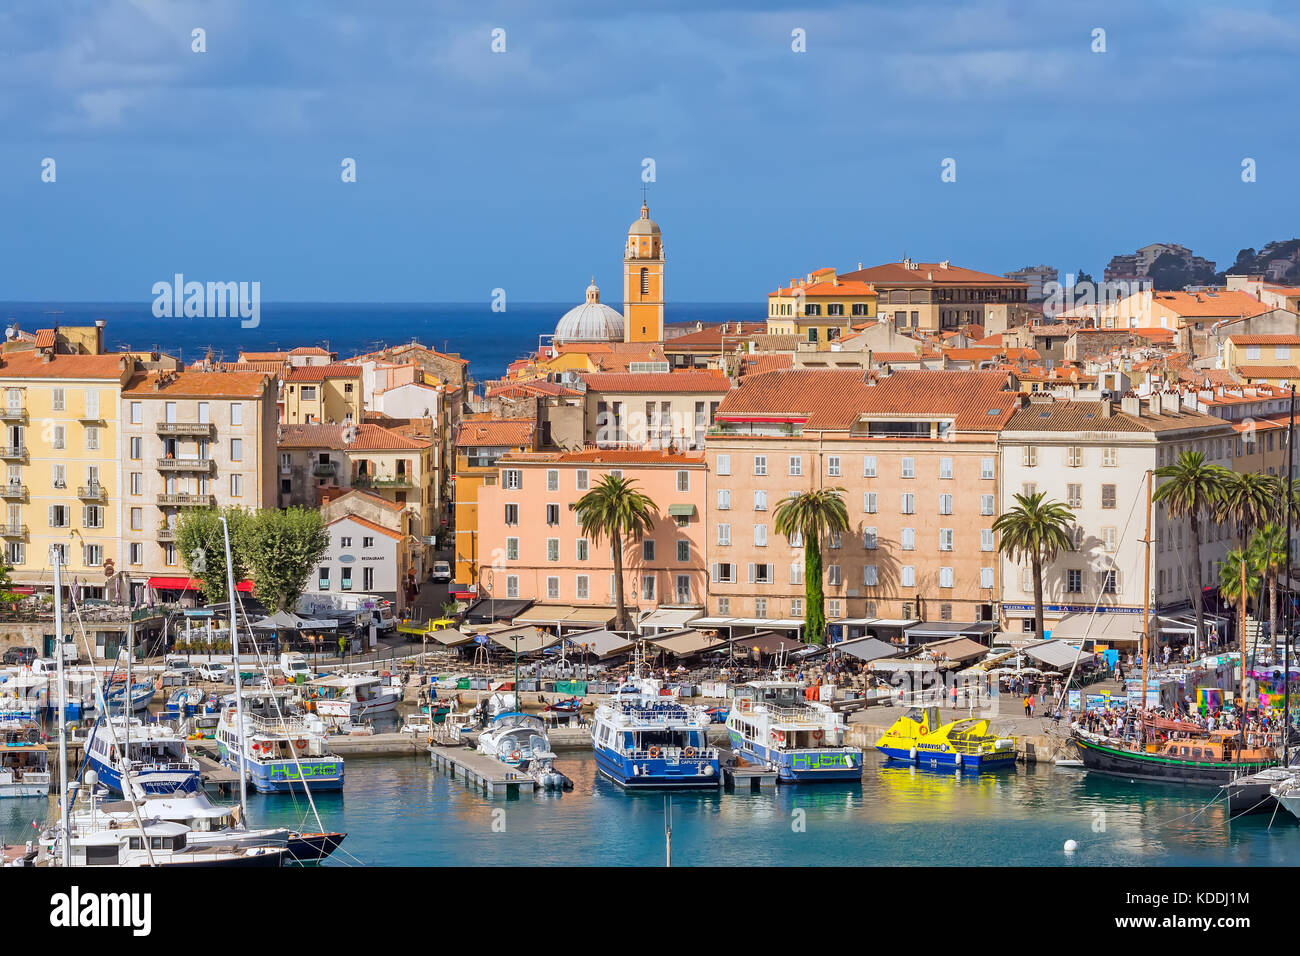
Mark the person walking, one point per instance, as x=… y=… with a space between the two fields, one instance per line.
x=1029 y=705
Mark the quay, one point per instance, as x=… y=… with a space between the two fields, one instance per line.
x=740 y=776
x=477 y=770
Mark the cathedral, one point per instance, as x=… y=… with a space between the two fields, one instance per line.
x=642 y=319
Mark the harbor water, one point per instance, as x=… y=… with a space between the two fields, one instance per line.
x=398 y=812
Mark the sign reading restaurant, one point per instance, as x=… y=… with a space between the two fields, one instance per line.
x=1074 y=609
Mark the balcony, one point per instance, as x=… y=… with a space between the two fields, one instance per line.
x=185 y=429
x=90 y=415
x=13 y=530
x=185 y=464
x=13 y=489
x=183 y=500
x=166 y=532
x=367 y=481
x=13 y=413
x=12 y=452
x=92 y=492
x=324 y=469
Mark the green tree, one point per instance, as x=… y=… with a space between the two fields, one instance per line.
x=812 y=516
x=1268 y=553
x=616 y=510
x=1035 y=530
x=1192 y=489
x=281 y=550
x=1230 y=579
x=1247 y=498
x=7 y=594
x=202 y=549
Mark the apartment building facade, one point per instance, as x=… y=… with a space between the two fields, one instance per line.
x=480 y=444
x=652 y=409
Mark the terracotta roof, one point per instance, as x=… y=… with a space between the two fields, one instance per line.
x=45 y=338
x=835 y=399
x=1154 y=334
x=1275 y=339
x=612 y=456
x=192 y=384
x=929 y=273
x=392 y=352
x=764 y=362
x=365 y=438
x=711 y=338
x=896 y=358
x=371 y=497
x=824 y=289
x=496 y=432
x=1076 y=416
x=1210 y=304
x=309 y=350
x=367 y=523
x=30 y=364
x=530 y=389
x=263 y=357
x=1268 y=371
x=685 y=380
x=318 y=373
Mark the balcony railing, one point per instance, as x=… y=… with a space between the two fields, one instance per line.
x=185 y=428
x=92 y=492
x=166 y=532
x=195 y=501
x=324 y=469
x=90 y=415
x=13 y=489
x=13 y=530
x=13 y=451
x=13 y=413
x=367 y=481
x=184 y=464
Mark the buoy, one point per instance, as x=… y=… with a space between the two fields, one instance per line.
x=911 y=754
x=1071 y=846
x=958 y=758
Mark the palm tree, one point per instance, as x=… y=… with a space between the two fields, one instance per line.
x=812 y=515
x=1230 y=579
x=1248 y=499
x=1035 y=530
x=1268 y=553
x=614 y=509
x=1192 y=490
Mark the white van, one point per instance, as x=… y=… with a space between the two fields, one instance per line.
x=293 y=665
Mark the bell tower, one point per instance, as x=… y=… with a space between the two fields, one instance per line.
x=643 y=281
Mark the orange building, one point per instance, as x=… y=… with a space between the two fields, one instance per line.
x=643 y=281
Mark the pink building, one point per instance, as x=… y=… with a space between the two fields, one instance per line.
x=533 y=549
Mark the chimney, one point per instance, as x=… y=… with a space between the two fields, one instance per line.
x=1131 y=405
x=1157 y=403
x=1107 y=408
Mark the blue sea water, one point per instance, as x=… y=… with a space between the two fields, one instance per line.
x=489 y=340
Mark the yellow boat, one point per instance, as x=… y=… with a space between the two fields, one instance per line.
x=967 y=744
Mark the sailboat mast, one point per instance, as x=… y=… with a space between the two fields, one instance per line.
x=1146 y=608
x=63 y=729
x=1288 y=491
x=234 y=650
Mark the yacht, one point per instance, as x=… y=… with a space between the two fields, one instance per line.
x=24 y=760
x=771 y=724
x=519 y=740
x=350 y=696
x=645 y=739
x=279 y=752
x=142 y=694
x=156 y=755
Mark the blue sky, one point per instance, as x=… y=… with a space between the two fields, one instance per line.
x=521 y=170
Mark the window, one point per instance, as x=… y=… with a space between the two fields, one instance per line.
x=683 y=550
x=236 y=449
x=1074 y=456
x=907 y=576
x=1110 y=456
x=761 y=573
x=986 y=577
x=512 y=585
x=986 y=504
x=945 y=468
x=59 y=403
x=583 y=586
x=648 y=549
x=724 y=535
x=323 y=578
x=945 y=577
x=909 y=467
x=92 y=516
x=869 y=538
x=137 y=483
x=796 y=607
x=760 y=604
x=760 y=535
x=907 y=539
x=1108 y=539
x=135 y=553
x=834 y=608
x=204 y=413
x=724 y=499
x=92 y=403
x=1108 y=496
x=236 y=413
x=795 y=538
x=1029 y=456
x=796 y=572
x=835 y=539
x=236 y=485
x=724 y=464
x=1252 y=351
x=552 y=549
x=512 y=549
x=833 y=466
x=512 y=514
x=582 y=479
x=1028 y=488
x=59 y=516
x=945 y=539
x=796 y=465
x=833 y=575
x=582 y=549
x=724 y=573
x=552 y=515
x=137 y=519
x=945 y=504
x=169 y=555
x=869 y=466
x=367 y=542
x=1074 y=581
x=683 y=481
x=552 y=588
x=870 y=575
x=986 y=468
x=552 y=480
x=986 y=539
x=724 y=605
x=869 y=502
x=92 y=437
x=1074 y=496
x=760 y=501
x=760 y=464
x=58 y=475
x=907 y=504
x=512 y=479
x=1110 y=582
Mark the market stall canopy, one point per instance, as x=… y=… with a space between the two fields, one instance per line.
x=959 y=649
x=670 y=617
x=450 y=637
x=527 y=640
x=488 y=610
x=866 y=648
x=601 y=642
x=686 y=643
x=765 y=643
x=288 y=621
x=1055 y=653
x=938 y=630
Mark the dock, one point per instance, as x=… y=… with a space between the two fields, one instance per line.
x=212 y=773
x=740 y=776
x=477 y=770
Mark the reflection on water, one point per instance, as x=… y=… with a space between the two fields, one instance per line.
x=399 y=811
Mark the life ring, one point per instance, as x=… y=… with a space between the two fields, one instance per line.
x=689 y=752
x=654 y=752
x=516 y=755
x=300 y=744
x=742 y=705
x=778 y=736
x=817 y=735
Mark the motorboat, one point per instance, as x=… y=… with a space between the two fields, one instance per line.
x=645 y=738
x=279 y=753
x=350 y=696
x=142 y=694
x=969 y=743
x=773 y=725
x=154 y=755
x=24 y=760
x=519 y=740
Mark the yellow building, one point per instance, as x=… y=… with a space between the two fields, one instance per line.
x=479 y=445
x=1272 y=359
x=820 y=309
x=62 y=457
x=643 y=281
x=322 y=394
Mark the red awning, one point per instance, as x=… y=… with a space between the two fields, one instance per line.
x=189 y=584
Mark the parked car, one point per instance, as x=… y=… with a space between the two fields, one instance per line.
x=441 y=573
x=20 y=655
x=213 y=671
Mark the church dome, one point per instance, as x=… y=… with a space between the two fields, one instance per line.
x=593 y=321
x=645 y=226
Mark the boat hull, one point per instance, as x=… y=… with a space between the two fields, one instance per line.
x=283 y=776
x=657 y=773
x=1102 y=758
x=948 y=759
x=823 y=765
x=313 y=847
x=150 y=781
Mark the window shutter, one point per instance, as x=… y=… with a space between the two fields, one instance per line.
x=751 y=572
x=771 y=574
x=51 y=516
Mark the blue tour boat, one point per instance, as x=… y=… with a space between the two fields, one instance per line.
x=279 y=752
x=772 y=725
x=644 y=739
x=155 y=756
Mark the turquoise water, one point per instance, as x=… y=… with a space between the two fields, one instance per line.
x=398 y=811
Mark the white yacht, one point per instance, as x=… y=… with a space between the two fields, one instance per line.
x=350 y=696
x=24 y=761
x=519 y=740
x=771 y=724
x=155 y=755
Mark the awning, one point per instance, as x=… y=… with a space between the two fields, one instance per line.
x=866 y=648
x=188 y=584
x=686 y=643
x=450 y=637
x=590 y=615
x=489 y=610
x=765 y=643
x=601 y=642
x=1173 y=626
x=681 y=511
x=550 y=614
x=767 y=623
x=1107 y=628
x=671 y=617
x=527 y=640
x=1055 y=653
x=935 y=630
x=959 y=649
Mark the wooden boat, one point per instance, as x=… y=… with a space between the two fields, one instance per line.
x=1182 y=753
